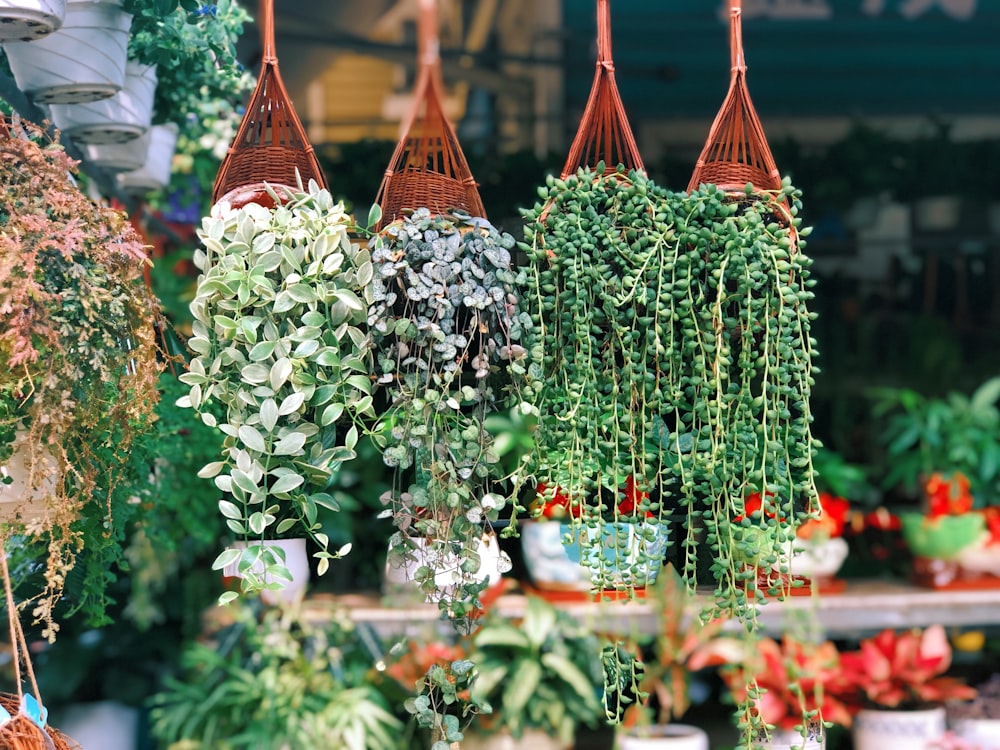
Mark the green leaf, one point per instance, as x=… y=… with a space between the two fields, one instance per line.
x=351 y=439
x=291 y=404
x=285 y=524
x=230 y=510
x=227 y=598
x=269 y=414
x=521 y=685
x=262 y=350
x=283 y=302
x=349 y=298
x=374 y=217
x=287 y=483
x=331 y=414
x=502 y=635
x=539 y=619
x=208 y=471
x=252 y=439
x=226 y=557
x=280 y=372
x=570 y=674
x=289 y=445
x=256 y=522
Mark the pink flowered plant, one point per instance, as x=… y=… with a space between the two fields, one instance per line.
x=900 y=670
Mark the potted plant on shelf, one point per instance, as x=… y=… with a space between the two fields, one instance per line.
x=682 y=644
x=80 y=369
x=445 y=326
x=950 y=449
x=280 y=343
x=275 y=681
x=895 y=687
x=539 y=678
x=789 y=686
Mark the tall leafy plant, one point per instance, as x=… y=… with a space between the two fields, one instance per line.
x=78 y=367
x=281 y=344
x=445 y=325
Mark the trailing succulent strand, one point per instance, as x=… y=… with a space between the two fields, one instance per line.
x=670 y=368
x=445 y=327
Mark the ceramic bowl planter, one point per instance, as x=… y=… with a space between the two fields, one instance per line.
x=899 y=730
x=28 y=20
x=118 y=119
x=628 y=555
x=82 y=62
x=815 y=561
x=549 y=563
x=791 y=739
x=664 y=737
x=952 y=551
x=154 y=173
x=447 y=570
x=296 y=562
x=531 y=739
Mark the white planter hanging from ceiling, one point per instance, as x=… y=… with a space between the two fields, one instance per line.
x=123 y=117
x=83 y=61
x=154 y=174
x=119 y=157
x=29 y=20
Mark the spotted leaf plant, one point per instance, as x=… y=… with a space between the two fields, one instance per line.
x=446 y=327
x=280 y=341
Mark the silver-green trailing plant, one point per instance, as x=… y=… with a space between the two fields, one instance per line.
x=281 y=342
x=445 y=326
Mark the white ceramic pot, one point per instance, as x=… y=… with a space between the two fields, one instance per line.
x=118 y=119
x=297 y=562
x=897 y=730
x=120 y=157
x=16 y=501
x=29 y=20
x=83 y=61
x=984 y=734
x=531 y=739
x=628 y=554
x=790 y=739
x=447 y=569
x=817 y=558
x=664 y=737
x=547 y=559
x=154 y=174
x=108 y=725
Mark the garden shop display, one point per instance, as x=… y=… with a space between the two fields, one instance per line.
x=78 y=372
x=446 y=328
x=280 y=338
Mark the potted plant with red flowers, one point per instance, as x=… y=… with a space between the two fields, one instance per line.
x=949 y=450
x=896 y=686
x=557 y=560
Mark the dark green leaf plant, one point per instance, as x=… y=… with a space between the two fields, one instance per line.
x=281 y=343
x=446 y=329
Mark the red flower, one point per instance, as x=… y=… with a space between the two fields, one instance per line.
x=992 y=515
x=882 y=520
x=833 y=518
x=948 y=495
x=631 y=498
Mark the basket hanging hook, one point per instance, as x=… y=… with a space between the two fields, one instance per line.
x=428 y=41
x=267 y=32
x=737 y=59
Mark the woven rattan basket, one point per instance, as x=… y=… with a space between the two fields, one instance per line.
x=21 y=732
x=604 y=133
x=271 y=145
x=736 y=151
x=428 y=168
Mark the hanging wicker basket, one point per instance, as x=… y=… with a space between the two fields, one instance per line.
x=271 y=145
x=604 y=133
x=27 y=728
x=428 y=168
x=736 y=152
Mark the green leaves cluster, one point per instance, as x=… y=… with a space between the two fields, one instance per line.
x=539 y=673
x=956 y=432
x=443 y=703
x=670 y=353
x=281 y=343
x=445 y=326
x=280 y=682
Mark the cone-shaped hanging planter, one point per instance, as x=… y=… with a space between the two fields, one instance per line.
x=428 y=168
x=271 y=144
x=28 y=20
x=604 y=133
x=736 y=151
x=154 y=173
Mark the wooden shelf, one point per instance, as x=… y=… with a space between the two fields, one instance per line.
x=864 y=606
